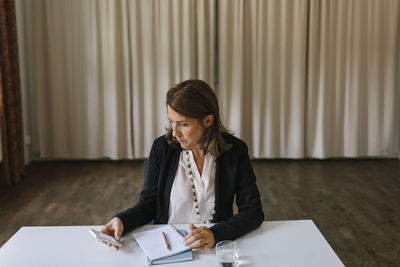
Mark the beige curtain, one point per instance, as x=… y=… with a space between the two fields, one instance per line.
x=102 y=69
x=262 y=49
x=351 y=82
x=171 y=41
x=81 y=83
x=304 y=78
x=325 y=87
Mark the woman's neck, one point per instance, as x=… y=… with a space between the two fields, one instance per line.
x=199 y=157
x=198 y=153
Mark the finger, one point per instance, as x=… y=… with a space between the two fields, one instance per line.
x=194 y=232
x=201 y=248
x=188 y=235
x=118 y=228
x=199 y=230
x=195 y=237
x=199 y=244
x=109 y=244
x=117 y=232
x=192 y=227
x=106 y=231
x=105 y=243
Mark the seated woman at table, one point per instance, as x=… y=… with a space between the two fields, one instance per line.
x=193 y=174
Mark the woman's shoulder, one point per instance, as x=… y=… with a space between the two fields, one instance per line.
x=237 y=143
x=161 y=143
x=161 y=150
x=160 y=140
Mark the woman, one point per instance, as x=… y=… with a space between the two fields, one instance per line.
x=193 y=174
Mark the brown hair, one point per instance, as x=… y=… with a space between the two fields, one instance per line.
x=195 y=99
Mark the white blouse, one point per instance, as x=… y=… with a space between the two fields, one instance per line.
x=181 y=205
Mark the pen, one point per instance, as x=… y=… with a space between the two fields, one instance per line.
x=166 y=241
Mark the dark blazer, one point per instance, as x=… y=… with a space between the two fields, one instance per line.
x=234 y=176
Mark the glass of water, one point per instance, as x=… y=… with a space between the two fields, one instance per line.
x=227 y=253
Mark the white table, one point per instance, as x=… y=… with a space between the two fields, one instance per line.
x=279 y=243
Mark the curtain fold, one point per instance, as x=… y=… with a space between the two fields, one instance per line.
x=262 y=63
x=81 y=79
x=12 y=163
x=296 y=79
x=351 y=83
x=103 y=68
x=171 y=41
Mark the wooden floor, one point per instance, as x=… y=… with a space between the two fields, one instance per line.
x=354 y=203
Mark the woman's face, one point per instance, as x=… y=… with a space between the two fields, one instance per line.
x=187 y=131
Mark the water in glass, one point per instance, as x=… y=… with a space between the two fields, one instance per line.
x=228 y=258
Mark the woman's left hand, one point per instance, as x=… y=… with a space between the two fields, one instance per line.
x=199 y=238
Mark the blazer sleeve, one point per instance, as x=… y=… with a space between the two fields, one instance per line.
x=250 y=214
x=145 y=210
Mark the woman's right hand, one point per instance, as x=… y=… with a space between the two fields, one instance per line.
x=113 y=228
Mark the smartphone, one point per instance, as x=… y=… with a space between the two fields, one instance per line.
x=103 y=237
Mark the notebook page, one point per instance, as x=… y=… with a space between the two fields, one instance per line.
x=153 y=244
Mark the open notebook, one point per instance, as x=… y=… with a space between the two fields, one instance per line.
x=184 y=256
x=153 y=244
